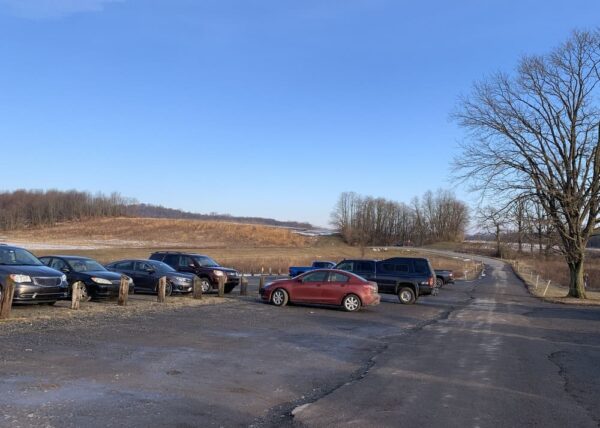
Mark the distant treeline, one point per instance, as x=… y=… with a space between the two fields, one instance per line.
x=154 y=211
x=34 y=208
x=364 y=220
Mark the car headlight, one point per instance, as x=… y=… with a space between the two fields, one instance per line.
x=218 y=272
x=19 y=279
x=182 y=279
x=101 y=280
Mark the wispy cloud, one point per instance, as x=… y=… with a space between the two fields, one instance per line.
x=48 y=9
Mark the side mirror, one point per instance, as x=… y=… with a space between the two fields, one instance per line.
x=65 y=270
x=150 y=270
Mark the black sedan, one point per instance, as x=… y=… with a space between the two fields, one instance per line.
x=146 y=273
x=98 y=282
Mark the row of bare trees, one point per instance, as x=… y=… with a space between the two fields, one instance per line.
x=364 y=220
x=31 y=208
x=523 y=225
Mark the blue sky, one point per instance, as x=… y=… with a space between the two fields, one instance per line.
x=252 y=107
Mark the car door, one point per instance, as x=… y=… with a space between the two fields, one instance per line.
x=308 y=288
x=386 y=277
x=126 y=268
x=334 y=288
x=145 y=274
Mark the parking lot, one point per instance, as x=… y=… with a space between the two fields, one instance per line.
x=460 y=358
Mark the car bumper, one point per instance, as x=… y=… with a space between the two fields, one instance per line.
x=265 y=294
x=36 y=294
x=182 y=288
x=108 y=291
x=371 y=300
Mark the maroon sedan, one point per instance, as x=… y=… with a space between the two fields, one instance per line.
x=325 y=287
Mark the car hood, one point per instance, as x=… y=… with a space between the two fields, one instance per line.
x=30 y=270
x=112 y=276
x=226 y=270
x=180 y=275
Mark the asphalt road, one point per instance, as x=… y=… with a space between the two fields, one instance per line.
x=480 y=354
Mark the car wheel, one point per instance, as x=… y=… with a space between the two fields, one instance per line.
x=351 y=303
x=205 y=285
x=84 y=294
x=279 y=297
x=406 y=296
x=169 y=289
x=439 y=282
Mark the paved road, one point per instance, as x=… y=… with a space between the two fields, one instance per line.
x=479 y=354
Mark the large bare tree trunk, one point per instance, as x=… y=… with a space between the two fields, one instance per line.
x=576 y=283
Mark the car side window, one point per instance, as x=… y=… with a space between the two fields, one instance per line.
x=57 y=264
x=364 y=267
x=124 y=266
x=186 y=261
x=338 y=277
x=345 y=266
x=320 y=276
x=46 y=260
x=142 y=266
x=172 y=260
x=421 y=266
x=401 y=267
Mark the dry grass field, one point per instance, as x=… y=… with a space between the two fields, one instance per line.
x=248 y=248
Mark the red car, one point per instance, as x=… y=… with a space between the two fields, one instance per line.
x=325 y=287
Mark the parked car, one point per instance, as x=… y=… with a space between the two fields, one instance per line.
x=98 y=282
x=298 y=270
x=443 y=277
x=203 y=266
x=34 y=281
x=147 y=273
x=323 y=286
x=406 y=277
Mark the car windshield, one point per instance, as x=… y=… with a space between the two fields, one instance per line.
x=84 y=265
x=205 y=261
x=18 y=257
x=162 y=267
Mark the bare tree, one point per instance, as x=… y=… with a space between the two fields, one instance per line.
x=538 y=133
x=493 y=220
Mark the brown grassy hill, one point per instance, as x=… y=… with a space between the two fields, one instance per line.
x=150 y=232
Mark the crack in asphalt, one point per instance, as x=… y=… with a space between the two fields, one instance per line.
x=282 y=415
x=554 y=358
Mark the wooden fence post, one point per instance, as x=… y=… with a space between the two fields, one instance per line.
x=222 y=285
x=261 y=283
x=162 y=289
x=75 y=295
x=6 y=297
x=196 y=288
x=546 y=290
x=243 y=286
x=123 y=291
x=537 y=279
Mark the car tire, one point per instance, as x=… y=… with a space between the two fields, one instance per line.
x=351 y=303
x=406 y=295
x=280 y=297
x=169 y=289
x=84 y=293
x=439 y=282
x=205 y=285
